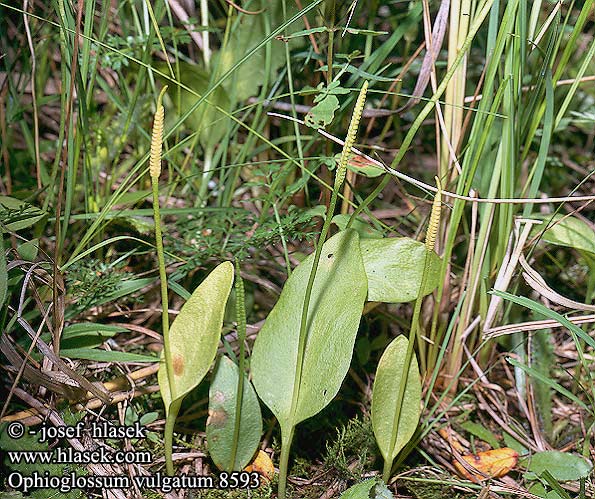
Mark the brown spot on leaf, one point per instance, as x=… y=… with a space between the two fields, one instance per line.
x=217 y=417
x=178 y=361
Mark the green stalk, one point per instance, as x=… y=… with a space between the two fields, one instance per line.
x=170 y=421
x=241 y=319
x=339 y=178
x=154 y=172
x=286 y=438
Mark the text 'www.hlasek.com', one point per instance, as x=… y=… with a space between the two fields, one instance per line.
x=78 y=478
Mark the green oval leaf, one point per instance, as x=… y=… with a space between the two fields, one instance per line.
x=194 y=335
x=566 y=230
x=563 y=466
x=384 y=399
x=395 y=267
x=335 y=309
x=222 y=417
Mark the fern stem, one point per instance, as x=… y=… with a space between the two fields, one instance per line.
x=286 y=438
x=154 y=172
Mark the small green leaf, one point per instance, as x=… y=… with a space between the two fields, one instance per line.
x=105 y=355
x=194 y=335
x=539 y=490
x=91 y=329
x=148 y=418
x=563 y=466
x=384 y=399
x=395 y=267
x=305 y=32
x=372 y=488
x=335 y=309
x=16 y=214
x=514 y=444
x=221 y=421
x=481 y=432
x=566 y=231
x=28 y=250
x=322 y=114
x=367 y=32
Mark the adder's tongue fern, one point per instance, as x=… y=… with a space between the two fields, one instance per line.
x=154 y=172
x=287 y=434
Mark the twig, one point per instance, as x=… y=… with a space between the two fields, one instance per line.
x=431 y=188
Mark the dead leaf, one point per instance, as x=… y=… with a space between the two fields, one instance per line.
x=489 y=464
x=263 y=465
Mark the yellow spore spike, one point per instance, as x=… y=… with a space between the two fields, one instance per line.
x=432 y=231
x=157 y=138
x=351 y=134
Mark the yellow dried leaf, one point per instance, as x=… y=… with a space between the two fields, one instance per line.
x=263 y=465
x=489 y=464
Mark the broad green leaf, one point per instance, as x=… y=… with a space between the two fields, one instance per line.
x=384 y=399
x=372 y=488
x=16 y=214
x=222 y=417
x=194 y=335
x=248 y=33
x=395 y=268
x=563 y=466
x=335 y=309
x=105 y=355
x=566 y=231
